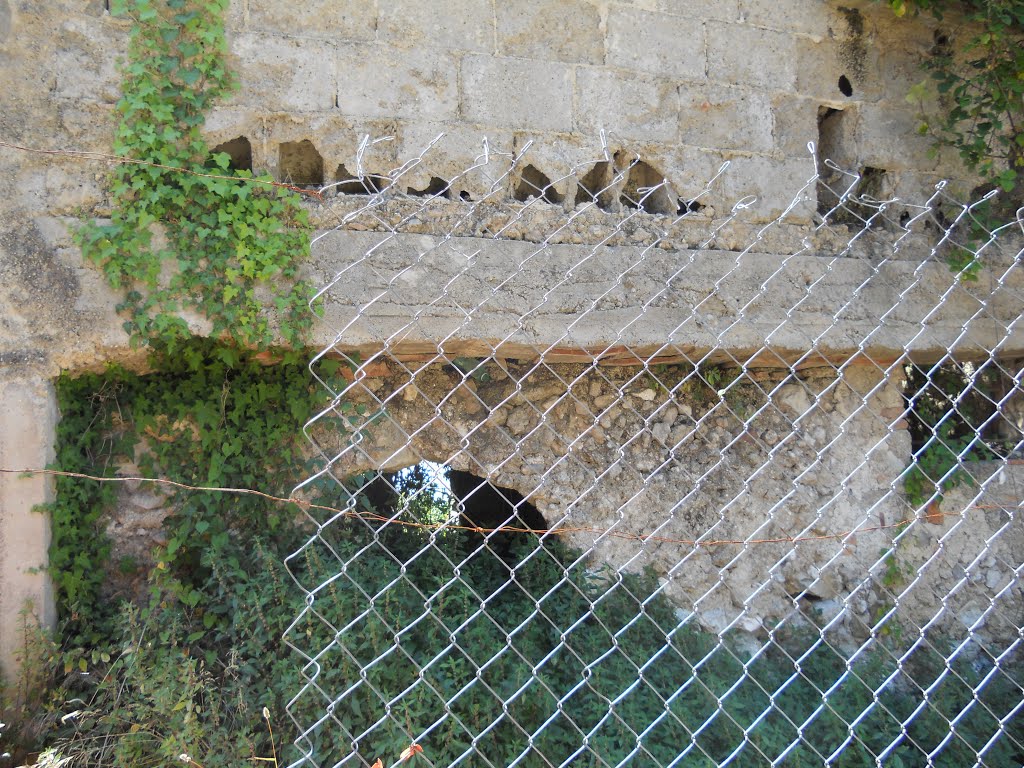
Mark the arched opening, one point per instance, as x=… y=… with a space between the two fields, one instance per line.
x=300 y=164
x=596 y=186
x=490 y=508
x=689 y=206
x=533 y=183
x=348 y=184
x=437 y=187
x=491 y=519
x=239 y=150
x=647 y=191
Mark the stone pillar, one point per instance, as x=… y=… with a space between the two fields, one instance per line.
x=28 y=420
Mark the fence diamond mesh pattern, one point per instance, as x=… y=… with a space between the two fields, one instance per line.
x=628 y=478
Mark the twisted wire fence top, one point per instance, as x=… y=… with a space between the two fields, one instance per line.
x=634 y=478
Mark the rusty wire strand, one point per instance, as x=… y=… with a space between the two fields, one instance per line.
x=561 y=531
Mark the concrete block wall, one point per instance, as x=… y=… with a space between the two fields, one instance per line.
x=685 y=84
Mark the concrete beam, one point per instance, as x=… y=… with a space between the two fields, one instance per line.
x=419 y=293
x=481 y=297
x=28 y=420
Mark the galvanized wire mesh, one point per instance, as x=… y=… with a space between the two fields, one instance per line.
x=697 y=481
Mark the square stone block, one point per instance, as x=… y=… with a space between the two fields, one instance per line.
x=740 y=54
x=633 y=106
x=284 y=75
x=380 y=81
x=459 y=25
x=517 y=93
x=538 y=29
x=665 y=45
x=332 y=19
x=725 y=118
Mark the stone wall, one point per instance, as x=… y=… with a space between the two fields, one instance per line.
x=746 y=85
x=685 y=84
x=709 y=487
x=682 y=85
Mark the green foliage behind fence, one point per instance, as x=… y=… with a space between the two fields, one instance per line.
x=556 y=657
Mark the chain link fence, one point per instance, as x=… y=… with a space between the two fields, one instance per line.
x=634 y=477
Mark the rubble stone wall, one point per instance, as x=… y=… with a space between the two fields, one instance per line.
x=775 y=492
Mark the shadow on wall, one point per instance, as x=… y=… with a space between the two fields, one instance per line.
x=479 y=503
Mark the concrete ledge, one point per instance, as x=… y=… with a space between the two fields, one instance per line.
x=482 y=297
x=419 y=294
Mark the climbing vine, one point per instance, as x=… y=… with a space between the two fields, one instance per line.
x=208 y=416
x=980 y=84
x=204 y=240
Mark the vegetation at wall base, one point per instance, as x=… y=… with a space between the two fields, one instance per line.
x=207 y=241
x=188 y=667
x=189 y=655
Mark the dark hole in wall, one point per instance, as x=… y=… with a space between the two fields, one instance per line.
x=300 y=164
x=872 y=183
x=689 y=206
x=942 y=45
x=956 y=404
x=534 y=183
x=829 y=130
x=862 y=204
x=856 y=194
x=347 y=184
x=478 y=503
x=487 y=506
x=436 y=187
x=466 y=196
x=830 y=147
x=647 y=191
x=595 y=186
x=240 y=151
x=845 y=87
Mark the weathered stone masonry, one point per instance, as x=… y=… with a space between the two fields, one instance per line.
x=682 y=84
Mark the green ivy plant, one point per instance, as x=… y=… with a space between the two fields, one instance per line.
x=980 y=82
x=209 y=416
x=187 y=233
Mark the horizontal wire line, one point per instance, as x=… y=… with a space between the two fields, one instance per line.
x=372 y=517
